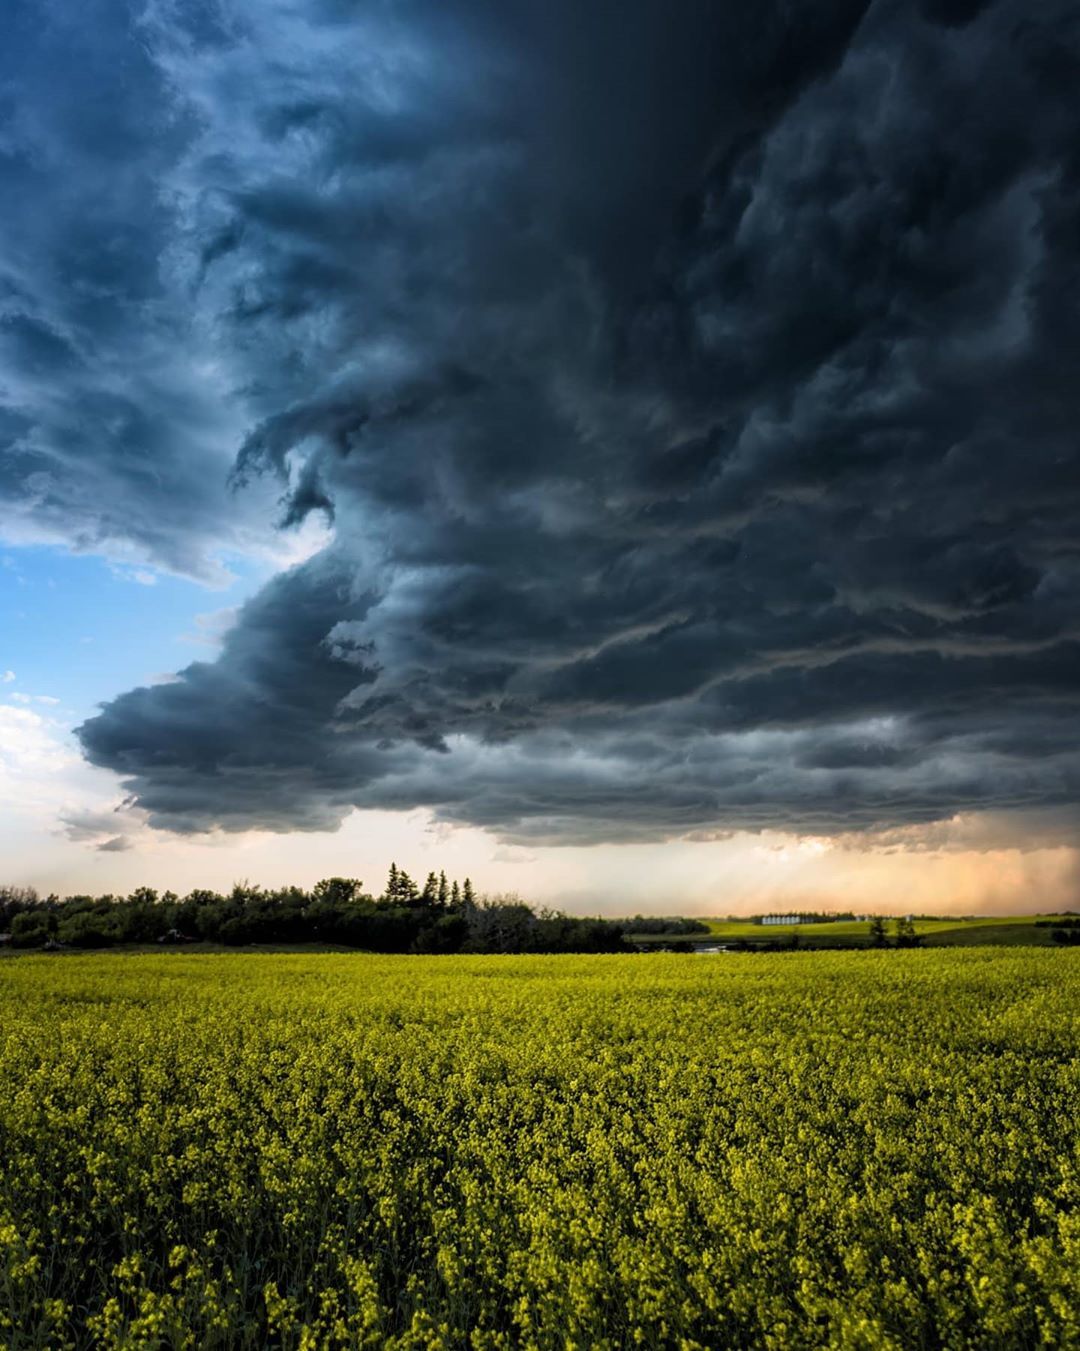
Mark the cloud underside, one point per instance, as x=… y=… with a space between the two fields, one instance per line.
x=694 y=404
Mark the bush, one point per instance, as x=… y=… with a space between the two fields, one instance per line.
x=32 y=928
x=87 y=930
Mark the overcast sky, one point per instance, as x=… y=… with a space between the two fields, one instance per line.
x=628 y=452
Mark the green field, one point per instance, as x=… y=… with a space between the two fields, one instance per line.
x=864 y=1149
x=1007 y=930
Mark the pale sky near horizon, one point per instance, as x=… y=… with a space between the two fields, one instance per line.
x=630 y=462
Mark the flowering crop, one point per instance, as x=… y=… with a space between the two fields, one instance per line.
x=847 y=1149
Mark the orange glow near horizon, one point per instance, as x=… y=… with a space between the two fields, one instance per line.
x=740 y=874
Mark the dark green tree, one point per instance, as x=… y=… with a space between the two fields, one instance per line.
x=30 y=928
x=905 y=932
x=400 y=888
x=337 y=890
x=877 y=932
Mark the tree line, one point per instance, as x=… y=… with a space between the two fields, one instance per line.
x=663 y=924
x=439 y=916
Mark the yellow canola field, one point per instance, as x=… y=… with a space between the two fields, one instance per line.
x=865 y=1149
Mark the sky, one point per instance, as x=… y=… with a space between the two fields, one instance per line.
x=626 y=455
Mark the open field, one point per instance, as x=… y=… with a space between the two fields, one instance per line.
x=863 y=1150
x=999 y=930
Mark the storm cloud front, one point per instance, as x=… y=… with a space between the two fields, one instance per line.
x=691 y=395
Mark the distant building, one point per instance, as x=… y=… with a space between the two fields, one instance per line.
x=782 y=919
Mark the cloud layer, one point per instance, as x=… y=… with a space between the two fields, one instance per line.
x=694 y=404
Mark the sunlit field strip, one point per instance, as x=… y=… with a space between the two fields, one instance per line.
x=1008 y=930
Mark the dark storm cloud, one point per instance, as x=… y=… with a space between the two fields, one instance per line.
x=694 y=402
x=119 y=844
x=113 y=434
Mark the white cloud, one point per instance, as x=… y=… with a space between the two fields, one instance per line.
x=33 y=757
x=212 y=626
x=7 y=677
x=47 y=788
x=140 y=576
x=112 y=829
